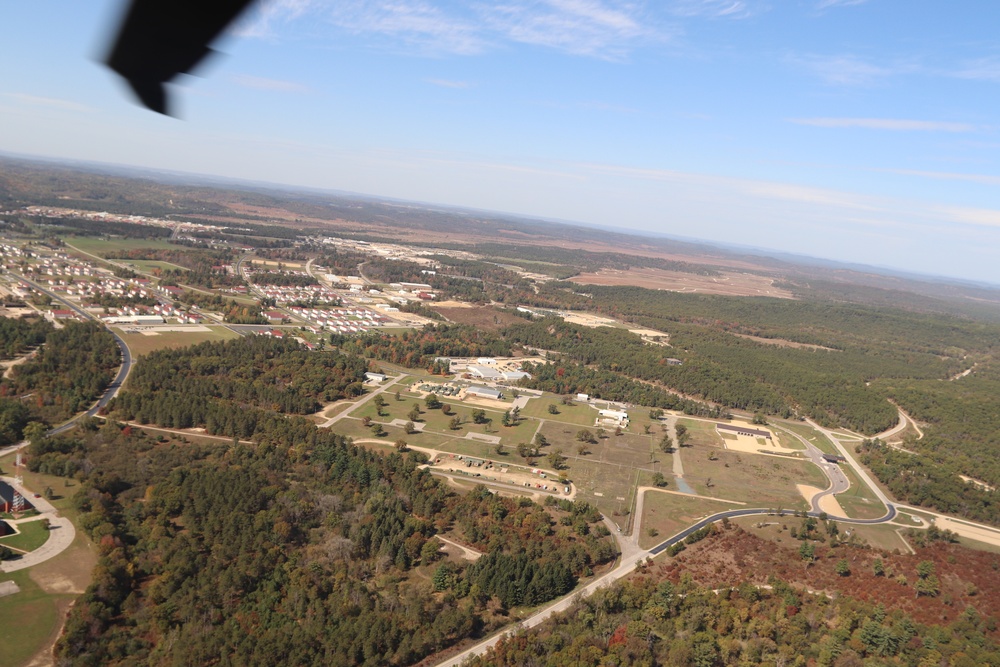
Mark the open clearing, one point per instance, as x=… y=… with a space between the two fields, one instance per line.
x=781 y=342
x=140 y=343
x=971 y=532
x=730 y=284
x=102 y=246
x=481 y=317
x=761 y=481
x=668 y=513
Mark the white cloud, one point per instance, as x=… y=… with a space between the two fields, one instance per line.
x=980 y=217
x=947 y=176
x=414 y=22
x=733 y=9
x=846 y=70
x=277 y=85
x=893 y=124
x=826 y=4
x=982 y=69
x=606 y=29
x=48 y=102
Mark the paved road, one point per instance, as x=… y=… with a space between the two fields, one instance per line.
x=115 y=385
x=61 y=533
x=838 y=480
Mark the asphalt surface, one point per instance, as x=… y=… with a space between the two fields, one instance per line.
x=115 y=385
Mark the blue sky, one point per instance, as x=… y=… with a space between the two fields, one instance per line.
x=858 y=130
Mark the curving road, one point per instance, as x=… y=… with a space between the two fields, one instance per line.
x=116 y=383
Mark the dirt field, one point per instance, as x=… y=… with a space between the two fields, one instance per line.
x=731 y=284
x=972 y=532
x=781 y=342
x=479 y=317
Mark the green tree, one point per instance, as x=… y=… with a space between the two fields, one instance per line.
x=585 y=435
x=843 y=568
x=659 y=480
x=553 y=409
x=456 y=423
x=479 y=416
x=430 y=552
x=432 y=401
x=409 y=428
x=807 y=551
x=878 y=567
x=557 y=460
x=505 y=419
x=541 y=440
x=400 y=445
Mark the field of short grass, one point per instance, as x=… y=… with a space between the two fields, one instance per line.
x=767 y=481
x=32 y=535
x=579 y=413
x=807 y=432
x=139 y=344
x=859 y=501
x=27 y=619
x=701 y=433
x=30 y=620
x=669 y=513
x=879 y=537
x=100 y=246
x=147 y=265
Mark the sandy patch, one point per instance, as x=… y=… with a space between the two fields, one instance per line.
x=454 y=304
x=751 y=444
x=651 y=333
x=808 y=492
x=588 y=320
x=979 y=483
x=729 y=283
x=972 y=532
x=831 y=506
x=781 y=342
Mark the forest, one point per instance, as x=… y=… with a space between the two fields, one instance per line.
x=649 y=621
x=234 y=387
x=67 y=374
x=18 y=335
x=205 y=268
x=265 y=555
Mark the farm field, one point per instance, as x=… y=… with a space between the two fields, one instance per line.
x=140 y=344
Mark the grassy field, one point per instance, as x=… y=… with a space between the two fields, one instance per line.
x=33 y=535
x=859 y=501
x=879 y=537
x=807 y=432
x=580 y=414
x=99 y=246
x=27 y=619
x=147 y=265
x=767 y=481
x=139 y=344
x=701 y=433
x=30 y=620
x=669 y=513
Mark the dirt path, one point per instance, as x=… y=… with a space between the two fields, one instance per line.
x=9 y=365
x=468 y=553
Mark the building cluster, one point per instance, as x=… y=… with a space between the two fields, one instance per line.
x=293 y=293
x=342 y=320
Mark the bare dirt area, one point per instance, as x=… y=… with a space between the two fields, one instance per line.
x=728 y=284
x=781 y=342
x=481 y=318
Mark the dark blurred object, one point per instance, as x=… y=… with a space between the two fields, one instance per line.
x=160 y=39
